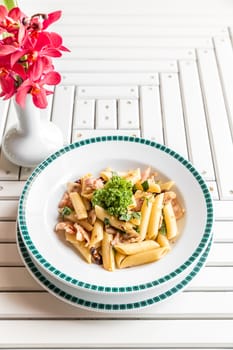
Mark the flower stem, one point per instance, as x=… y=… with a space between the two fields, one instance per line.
x=10 y=4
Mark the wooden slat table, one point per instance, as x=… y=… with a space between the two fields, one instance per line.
x=157 y=69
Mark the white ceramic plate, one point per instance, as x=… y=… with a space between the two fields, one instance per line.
x=112 y=303
x=37 y=213
x=120 y=298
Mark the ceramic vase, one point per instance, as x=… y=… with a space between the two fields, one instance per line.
x=32 y=139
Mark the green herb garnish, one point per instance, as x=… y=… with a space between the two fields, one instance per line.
x=131 y=215
x=125 y=217
x=134 y=189
x=145 y=185
x=147 y=201
x=163 y=229
x=136 y=215
x=106 y=221
x=66 y=211
x=115 y=196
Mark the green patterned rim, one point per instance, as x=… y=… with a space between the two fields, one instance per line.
x=109 y=289
x=90 y=305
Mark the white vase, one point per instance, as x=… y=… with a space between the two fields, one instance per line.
x=32 y=139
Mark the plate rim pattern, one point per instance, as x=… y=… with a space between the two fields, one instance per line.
x=97 y=306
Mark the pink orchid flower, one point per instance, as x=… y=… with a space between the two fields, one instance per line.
x=26 y=53
x=37 y=89
x=7 y=84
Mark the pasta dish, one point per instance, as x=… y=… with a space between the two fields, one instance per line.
x=120 y=219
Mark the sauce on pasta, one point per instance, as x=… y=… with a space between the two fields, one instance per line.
x=120 y=219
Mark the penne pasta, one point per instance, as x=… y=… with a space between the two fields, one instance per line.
x=108 y=252
x=135 y=221
x=134 y=248
x=163 y=241
x=73 y=187
x=145 y=216
x=97 y=233
x=80 y=246
x=85 y=224
x=119 y=257
x=86 y=203
x=78 y=205
x=170 y=220
x=106 y=174
x=133 y=176
x=153 y=187
x=121 y=225
x=143 y=257
x=155 y=217
x=166 y=186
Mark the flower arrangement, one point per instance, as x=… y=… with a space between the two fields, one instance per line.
x=26 y=53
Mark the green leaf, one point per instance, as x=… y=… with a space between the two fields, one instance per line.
x=163 y=229
x=145 y=185
x=106 y=221
x=10 y=4
x=128 y=216
x=66 y=211
x=147 y=201
x=136 y=215
x=125 y=217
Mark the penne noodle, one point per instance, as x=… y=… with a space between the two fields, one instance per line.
x=133 y=176
x=85 y=224
x=155 y=217
x=153 y=187
x=80 y=246
x=106 y=174
x=170 y=220
x=108 y=252
x=86 y=203
x=73 y=187
x=138 y=186
x=135 y=221
x=163 y=241
x=78 y=205
x=97 y=233
x=145 y=216
x=166 y=186
x=143 y=257
x=119 y=258
x=134 y=248
x=121 y=225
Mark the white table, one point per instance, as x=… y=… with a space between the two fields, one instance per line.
x=133 y=63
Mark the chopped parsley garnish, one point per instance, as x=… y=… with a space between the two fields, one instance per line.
x=163 y=229
x=66 y=211
x=134 y=189
x=106 y=221
x=125 y=217
x=130 y=215
x=147 y=201
x=145 y=185
x=115 y=196
x=136 y=215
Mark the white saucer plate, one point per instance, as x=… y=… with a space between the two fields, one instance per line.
x=109 y=303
